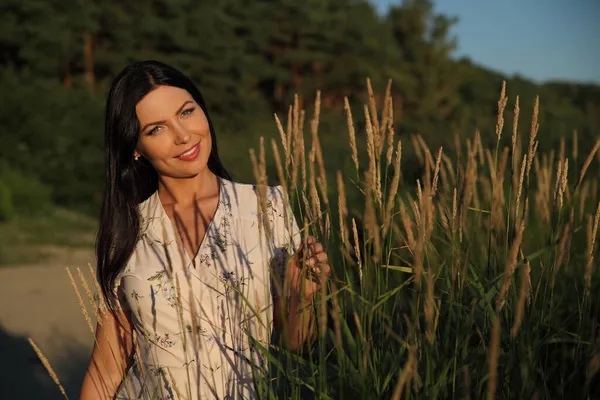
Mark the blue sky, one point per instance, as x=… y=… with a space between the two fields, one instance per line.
x=539 y=39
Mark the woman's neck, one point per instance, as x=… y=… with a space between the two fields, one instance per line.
x=185 y=191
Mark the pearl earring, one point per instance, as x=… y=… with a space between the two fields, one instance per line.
x=136 y=157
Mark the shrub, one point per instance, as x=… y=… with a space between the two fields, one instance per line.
x=7 y=208
x=29 y=196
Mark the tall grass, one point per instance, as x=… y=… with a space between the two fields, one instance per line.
x=483 y=283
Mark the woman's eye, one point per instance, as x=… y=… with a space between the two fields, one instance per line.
x=153 y=131
x=187 y=112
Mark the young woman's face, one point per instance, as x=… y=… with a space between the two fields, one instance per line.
x=174 y=132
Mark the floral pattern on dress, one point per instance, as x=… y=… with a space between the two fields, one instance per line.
x=231 y=282
x=165 y=287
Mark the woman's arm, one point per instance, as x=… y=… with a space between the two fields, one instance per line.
x=293 y=320
x=111 y=357
x=293 y=314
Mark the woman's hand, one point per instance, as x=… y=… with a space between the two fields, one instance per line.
x=305 y=278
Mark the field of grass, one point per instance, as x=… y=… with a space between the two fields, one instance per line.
x=482 y=283
x=29 y=240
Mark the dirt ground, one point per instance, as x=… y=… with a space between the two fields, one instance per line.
x=38 y=302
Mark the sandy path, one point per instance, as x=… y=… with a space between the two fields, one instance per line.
x=38 y=301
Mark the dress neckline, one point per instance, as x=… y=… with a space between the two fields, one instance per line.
x=190 y=259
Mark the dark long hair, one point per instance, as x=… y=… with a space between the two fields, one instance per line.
x=129 y=182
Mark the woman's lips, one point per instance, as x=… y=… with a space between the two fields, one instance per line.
x=190 y=154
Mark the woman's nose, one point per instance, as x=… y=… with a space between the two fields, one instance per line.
x=181 y=134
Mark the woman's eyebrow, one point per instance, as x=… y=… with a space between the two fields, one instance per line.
x=163 y=121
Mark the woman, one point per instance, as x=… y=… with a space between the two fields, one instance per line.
x=189 y=263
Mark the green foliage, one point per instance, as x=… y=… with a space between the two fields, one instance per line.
x=249 y=58
x=54 y=134
x=22 y=193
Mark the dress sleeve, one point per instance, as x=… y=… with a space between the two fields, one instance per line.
x=286 y=237
x=118 y=301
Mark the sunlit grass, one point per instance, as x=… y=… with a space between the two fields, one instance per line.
x=482 y=282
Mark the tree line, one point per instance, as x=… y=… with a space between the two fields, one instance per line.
x=249 y=58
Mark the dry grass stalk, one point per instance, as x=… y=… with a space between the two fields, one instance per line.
x=280 y=173
x=357 y=249
x=373 y=158
x=290 y=134
x=497 y=188
x=302 y=149
x=563 y=183
x=515 y=133
x=351 y=133
x=387 y=114
x=454 y=210
x=48 y=367
x=297 y=152
x=501 y=106
x=543 y=199
x=493 y=359
x=586 y=165
x=533 y=143
x=407 y=223
x=283 y=138
x=314 y=194
x=419 y=193
x=342 y=210
x=389 y=205
x=370 y=219
x=406 y=374
x=316 y=143
x=102 y=306
x=425 y=223
x=88 y=293
x=520 y=190
x=390 y=128
x=559 y=174
x=436 y=173
x=261 y=191
x=374 y=119
x=561 y=149
x=466 y=192
x=509 y=269
x=591 y=247
x=80 y=299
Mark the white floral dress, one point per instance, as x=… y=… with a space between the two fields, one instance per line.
x=198 y=346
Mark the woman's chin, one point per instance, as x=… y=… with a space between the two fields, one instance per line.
x=187 y=171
